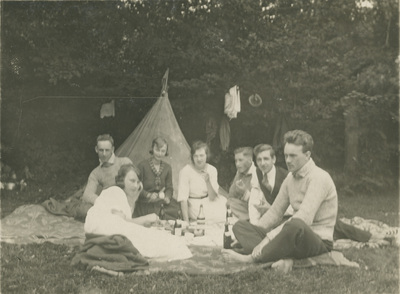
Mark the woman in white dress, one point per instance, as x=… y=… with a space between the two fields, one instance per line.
x=198 y=185
x=112 y=211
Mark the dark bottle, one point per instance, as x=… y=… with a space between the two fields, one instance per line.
x=162 y=212
x=177 y=228
x=227 y=237
x=201 y=221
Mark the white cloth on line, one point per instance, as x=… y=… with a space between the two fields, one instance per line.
x=232 y=102
x=107 y=109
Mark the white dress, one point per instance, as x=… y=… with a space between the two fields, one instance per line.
x=192 y=188
x=151 y=243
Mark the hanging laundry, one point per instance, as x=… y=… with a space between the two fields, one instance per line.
x=107 y=109
x=232 y=102
x=225 y=133
x=211 y=129
x=281 y=128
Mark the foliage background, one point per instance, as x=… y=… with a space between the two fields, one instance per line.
x=306 y=59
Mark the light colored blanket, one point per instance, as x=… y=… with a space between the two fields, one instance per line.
x=372 y=226
x=33 y=224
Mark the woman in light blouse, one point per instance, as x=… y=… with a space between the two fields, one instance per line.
x=198 y=185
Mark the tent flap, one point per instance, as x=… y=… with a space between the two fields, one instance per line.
x=160 y=121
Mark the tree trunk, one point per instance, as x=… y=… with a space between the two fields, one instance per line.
x=351 y=136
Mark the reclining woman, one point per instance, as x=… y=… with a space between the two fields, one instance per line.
x=157 y=183
x=198 y=185
x=111 y=215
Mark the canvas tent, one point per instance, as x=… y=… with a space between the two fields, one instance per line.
x=159 y=121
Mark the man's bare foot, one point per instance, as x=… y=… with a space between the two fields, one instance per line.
x=284 y=265
x=232 y=255
x=236 y=244
x=376 y=236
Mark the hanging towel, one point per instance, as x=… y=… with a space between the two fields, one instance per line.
x=225 y=133
x=107 y=109
x=211 y=129
x=232 y=102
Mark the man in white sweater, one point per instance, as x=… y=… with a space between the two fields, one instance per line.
x=309 y=232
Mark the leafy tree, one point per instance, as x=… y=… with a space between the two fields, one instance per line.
x=303 y=57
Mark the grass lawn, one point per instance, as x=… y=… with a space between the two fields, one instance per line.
x=46 y=268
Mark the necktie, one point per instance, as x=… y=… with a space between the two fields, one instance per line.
x=266 y=184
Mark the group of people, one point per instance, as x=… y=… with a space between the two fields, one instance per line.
x=281 y=215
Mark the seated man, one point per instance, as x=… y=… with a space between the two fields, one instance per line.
x=270 y=178
x=265 y=160
x=102 y=177
x=312 y=194
x=244 y=184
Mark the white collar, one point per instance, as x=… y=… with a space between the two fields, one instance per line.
x=271 y=173
x=251 y=171
x=111 y=160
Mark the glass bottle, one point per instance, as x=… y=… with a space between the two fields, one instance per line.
x=201 y=221
x=177 y=228
x=227 y=237
x=162 y=212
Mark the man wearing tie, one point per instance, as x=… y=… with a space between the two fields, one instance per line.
x=270 y=178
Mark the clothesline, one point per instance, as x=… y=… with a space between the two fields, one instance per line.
x=88 y=97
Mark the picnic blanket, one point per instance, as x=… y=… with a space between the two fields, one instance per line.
x=115 y=253
x=34 y=224
x=208 y=260
x=73 y=206
x=372 y=226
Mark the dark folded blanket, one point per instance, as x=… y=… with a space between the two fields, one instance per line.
x=75 y=208
x=113 y=252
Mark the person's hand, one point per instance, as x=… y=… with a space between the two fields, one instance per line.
x=240 y=185
x=153 y=197
x=151 y=218
x=167 y=200
x=118 y=212
x=258 y=249
x=241 y=190
x=161 y=195
x=246 y=196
